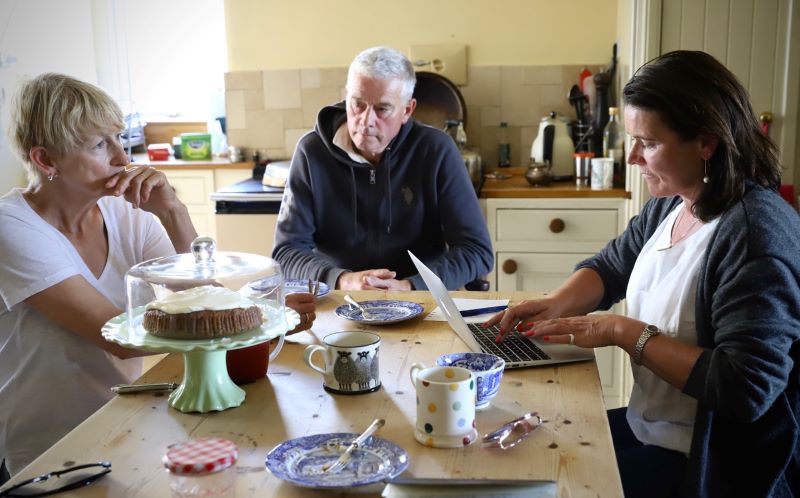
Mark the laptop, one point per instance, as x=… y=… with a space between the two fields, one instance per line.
x=517 y=350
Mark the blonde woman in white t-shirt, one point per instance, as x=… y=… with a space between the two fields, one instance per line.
x=66 y=241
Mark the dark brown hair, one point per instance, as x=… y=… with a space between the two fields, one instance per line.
x=696 y=95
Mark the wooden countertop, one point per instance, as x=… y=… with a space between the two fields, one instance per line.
x=573 y=446
x=518 y=187
x=171 y=163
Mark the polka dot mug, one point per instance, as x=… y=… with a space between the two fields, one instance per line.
x=445 y=406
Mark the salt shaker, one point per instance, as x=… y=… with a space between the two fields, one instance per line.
x=202 y=467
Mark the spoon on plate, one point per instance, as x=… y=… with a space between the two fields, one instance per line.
x=355 y=303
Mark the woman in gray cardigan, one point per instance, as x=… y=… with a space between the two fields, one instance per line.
x=710 y=271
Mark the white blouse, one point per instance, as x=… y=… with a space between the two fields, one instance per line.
x=661 y=291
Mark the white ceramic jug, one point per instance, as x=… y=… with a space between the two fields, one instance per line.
x=554 y=145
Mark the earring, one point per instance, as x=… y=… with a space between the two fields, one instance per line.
x=705 y=170
x=50 y=177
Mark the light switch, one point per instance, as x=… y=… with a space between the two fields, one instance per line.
x=448 y=60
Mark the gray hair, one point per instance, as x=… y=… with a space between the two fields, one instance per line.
x=386 y=64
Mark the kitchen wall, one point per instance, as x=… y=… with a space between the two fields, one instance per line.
x=288 y=59
x=276 y=34
x=270 y=110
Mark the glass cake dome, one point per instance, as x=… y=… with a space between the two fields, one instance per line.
x=254 y=277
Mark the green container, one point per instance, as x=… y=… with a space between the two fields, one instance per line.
x=195 y=146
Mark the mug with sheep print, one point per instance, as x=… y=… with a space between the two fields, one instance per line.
x=349 y=362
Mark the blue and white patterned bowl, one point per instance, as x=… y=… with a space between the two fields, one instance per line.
x=487 y=369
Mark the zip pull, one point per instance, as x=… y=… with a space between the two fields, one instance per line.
x=372 y=176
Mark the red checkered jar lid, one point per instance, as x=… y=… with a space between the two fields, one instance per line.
x=200 y=456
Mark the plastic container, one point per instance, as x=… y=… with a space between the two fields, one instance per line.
x=503 y=147
x=203 y=467
x=195 y=146
x=158 y=152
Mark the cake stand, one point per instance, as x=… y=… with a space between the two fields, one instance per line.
x=206 y=384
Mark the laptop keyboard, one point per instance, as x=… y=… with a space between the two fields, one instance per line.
x=515 y=347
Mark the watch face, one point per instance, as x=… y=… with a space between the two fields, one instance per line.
x=653 y=329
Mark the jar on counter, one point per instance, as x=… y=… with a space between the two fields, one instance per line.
x=202 y=467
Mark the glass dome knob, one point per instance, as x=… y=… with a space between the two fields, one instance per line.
x=203 y=249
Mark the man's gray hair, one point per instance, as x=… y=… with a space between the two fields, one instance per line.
x=386 y=64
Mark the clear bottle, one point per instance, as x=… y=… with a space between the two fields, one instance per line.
x=455 y=128
x=503 y=146
x=613 y=146
x=203 y=467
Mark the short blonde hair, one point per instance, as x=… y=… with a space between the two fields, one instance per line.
x=59 y=113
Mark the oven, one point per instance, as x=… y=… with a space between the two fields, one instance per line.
x=246 y=214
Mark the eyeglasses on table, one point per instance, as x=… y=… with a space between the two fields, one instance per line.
x=59 y=481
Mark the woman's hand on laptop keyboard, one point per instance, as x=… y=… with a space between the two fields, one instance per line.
x=523 y=316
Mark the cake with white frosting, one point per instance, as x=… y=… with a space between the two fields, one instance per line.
x=205 y=312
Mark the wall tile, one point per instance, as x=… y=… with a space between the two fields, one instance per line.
x=254 y=99
x=264 y=129
x=483 y=86
x=235 y=110
x=553 y=95
x=243 y=80
x=315 y=99
x=291 y=137
x=542 y=75
x=335 y=77
x=281 y=89
x=490 y=115
x=292 y=118
x=518 y=103
x=309 y=78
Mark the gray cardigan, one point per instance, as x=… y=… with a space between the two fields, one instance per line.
x=747 y=380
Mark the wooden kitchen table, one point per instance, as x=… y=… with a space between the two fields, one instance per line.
x=573 y=446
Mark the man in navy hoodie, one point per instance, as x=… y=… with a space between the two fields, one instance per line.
x=370 y=183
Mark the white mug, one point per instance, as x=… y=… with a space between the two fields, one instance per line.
x=350 y=362
x=445 y=406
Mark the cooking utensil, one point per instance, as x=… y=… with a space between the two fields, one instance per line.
x=345 y=457
x=578 y=100
x=353 y=302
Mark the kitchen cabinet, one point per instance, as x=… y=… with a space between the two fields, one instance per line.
x=537 y=243
x=195 y=186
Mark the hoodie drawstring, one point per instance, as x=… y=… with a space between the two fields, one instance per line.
x=355 y=202
x=389 y=186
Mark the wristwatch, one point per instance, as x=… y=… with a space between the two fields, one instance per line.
x=648 y=332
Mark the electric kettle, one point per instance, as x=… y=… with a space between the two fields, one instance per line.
x=554 y=146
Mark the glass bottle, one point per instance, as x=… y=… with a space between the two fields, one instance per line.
x=613 y=146
x=503 y=147
x=455 y=128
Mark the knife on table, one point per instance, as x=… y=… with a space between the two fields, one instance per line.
x=482 y=311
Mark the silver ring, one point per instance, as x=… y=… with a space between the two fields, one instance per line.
x=571 y=339
x=305 y=317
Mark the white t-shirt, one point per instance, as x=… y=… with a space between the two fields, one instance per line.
x=51 y=379
x=662 y=291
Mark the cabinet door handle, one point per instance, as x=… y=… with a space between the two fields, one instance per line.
x=509 y=266
x=557 y=225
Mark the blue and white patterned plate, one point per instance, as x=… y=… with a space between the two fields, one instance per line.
x=293 y=285
x=380 y=312
x=300 y=461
